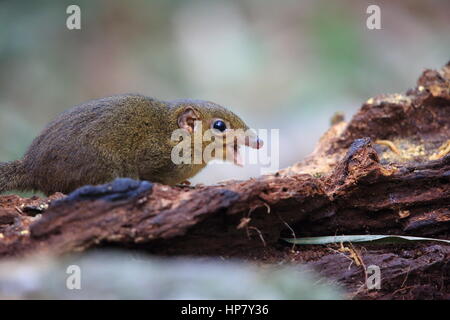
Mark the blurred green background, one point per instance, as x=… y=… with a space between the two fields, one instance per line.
x=279 y=64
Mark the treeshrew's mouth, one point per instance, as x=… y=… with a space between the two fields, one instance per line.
x=251 y=141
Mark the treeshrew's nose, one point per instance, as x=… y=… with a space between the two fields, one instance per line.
x=254 y=142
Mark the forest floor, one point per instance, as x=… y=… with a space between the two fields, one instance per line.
x=386 y=171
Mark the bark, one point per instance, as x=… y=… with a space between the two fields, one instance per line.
x=387 y=171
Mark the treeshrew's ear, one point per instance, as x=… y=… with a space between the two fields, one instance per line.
x=187 y=118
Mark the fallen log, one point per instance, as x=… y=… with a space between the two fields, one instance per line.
x=387 y=171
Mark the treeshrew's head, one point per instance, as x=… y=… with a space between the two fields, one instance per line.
x=216 y=124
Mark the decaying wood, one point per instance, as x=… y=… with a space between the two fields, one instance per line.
x=387 y=171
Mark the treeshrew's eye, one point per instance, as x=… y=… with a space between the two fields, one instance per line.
x=219 y=125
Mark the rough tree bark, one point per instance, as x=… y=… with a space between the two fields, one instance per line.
x=387 y=171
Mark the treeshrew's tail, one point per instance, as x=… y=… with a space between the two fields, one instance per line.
x=12 y=176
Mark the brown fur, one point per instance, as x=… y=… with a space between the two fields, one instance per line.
x=97 y=141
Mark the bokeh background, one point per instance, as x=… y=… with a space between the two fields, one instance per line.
x=288 y=65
